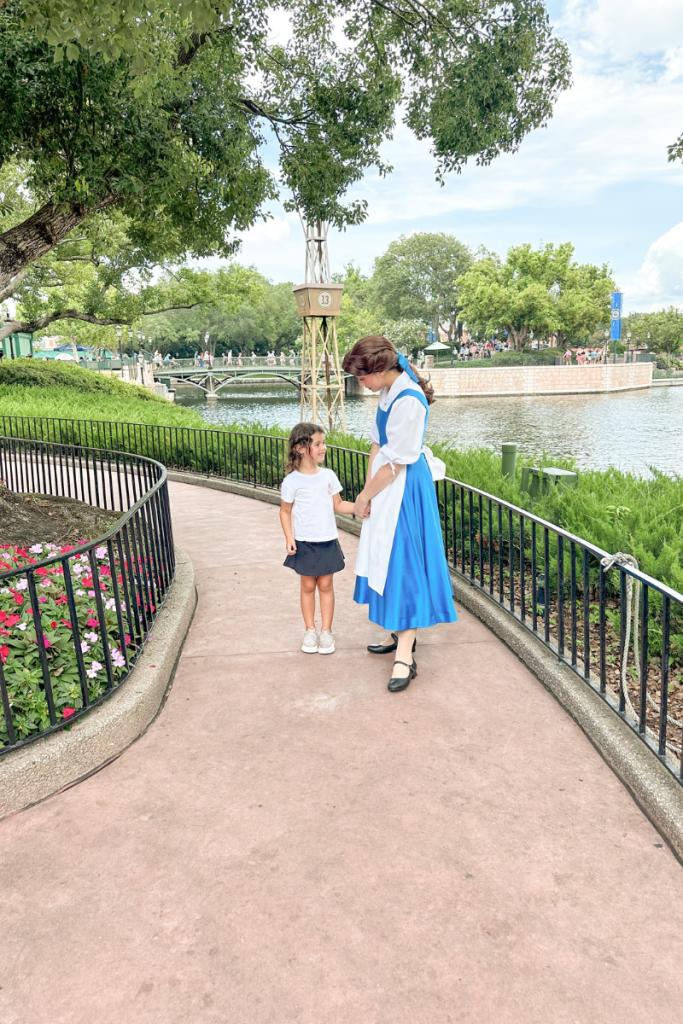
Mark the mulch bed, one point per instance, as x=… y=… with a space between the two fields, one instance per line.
x=27 y=519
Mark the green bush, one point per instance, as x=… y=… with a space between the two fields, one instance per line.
x=50 y=373
x=544 y=357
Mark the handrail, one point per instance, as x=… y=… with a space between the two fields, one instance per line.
x=550 y=581
x=125 y=517
x=74 y=622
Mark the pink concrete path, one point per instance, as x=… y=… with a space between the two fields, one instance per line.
x=291 y=844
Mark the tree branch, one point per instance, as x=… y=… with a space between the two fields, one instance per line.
x=12 y=286
x=42 y=231
x=31 y=326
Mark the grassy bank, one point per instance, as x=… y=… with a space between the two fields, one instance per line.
x=62 y=390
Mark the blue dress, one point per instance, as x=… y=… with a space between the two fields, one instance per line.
x=418 y=590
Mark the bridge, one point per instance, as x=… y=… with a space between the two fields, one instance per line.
x=212 y=379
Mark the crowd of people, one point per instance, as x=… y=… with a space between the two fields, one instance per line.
x=585 y=356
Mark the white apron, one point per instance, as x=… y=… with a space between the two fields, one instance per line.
x=377 y=531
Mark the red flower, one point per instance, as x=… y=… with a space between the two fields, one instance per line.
x=4 y=652
x=92 y=622
x=65 y=622
x=68 y=712
x=12 y=620
x=53 y=625
x=17 y=596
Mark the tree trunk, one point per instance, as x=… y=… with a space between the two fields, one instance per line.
x=34 y=237
x=518 y=337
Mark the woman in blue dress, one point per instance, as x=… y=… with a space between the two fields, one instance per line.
x=401 y=570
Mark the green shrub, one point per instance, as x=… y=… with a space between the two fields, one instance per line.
x=50 y=373
x=546 y=357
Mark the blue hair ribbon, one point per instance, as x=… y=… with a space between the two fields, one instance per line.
x=406 y=367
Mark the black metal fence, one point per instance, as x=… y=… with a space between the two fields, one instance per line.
x=73 y=620
x=618 y=629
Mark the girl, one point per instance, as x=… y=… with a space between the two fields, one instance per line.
x=311 y=492
x=401 y=570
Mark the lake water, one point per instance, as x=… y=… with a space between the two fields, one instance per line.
x=633 y=430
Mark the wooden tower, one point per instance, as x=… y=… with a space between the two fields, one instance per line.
x=318 y=302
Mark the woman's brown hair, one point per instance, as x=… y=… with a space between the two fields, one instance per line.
x=302 y=434
x=376 y=354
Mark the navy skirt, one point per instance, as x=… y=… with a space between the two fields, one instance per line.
x=316 y=558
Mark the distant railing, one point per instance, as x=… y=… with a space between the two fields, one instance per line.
x=616 y=628
x=73 y=620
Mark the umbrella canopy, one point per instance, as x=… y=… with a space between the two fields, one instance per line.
x=436 y=346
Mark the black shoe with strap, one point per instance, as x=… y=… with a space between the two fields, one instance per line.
x=388 y=648
x=402 y=682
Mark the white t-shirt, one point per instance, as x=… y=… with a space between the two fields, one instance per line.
x=313 y=510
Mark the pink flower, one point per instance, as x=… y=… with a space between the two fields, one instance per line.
x=68 y=712
x=42 y=600
x=46 y=642
x=92 y=622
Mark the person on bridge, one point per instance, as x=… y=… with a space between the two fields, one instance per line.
x=311 y=493
x=401 y=570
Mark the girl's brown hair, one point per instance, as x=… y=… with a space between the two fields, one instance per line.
x=302 y=434
x=375 y=354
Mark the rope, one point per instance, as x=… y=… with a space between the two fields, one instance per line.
x=621 y=558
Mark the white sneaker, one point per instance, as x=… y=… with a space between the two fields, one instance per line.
x=326 y=642
x=310 y=644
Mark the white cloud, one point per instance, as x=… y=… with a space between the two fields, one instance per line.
x=659 y=282
x=623 y=29
x=273 y=230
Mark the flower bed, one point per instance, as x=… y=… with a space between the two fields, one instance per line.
x=97 y=634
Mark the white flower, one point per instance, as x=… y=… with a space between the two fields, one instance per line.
x=77 y=569
x=111 y=603
x=80 y=593
x=22 y=584
x=84 y=647
x=100 y=552
x=51 y=547
x=92 y=637
x=94 y=669
x=36 y=549
x=46 y=583
x=118 y=659
x=22 y=626
x=5 y=590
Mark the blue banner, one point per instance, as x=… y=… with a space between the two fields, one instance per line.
x=616 y=298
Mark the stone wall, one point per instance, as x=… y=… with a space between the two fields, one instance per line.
x=461 y=381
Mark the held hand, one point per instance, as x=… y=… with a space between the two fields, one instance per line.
x=368 y=510
x=360 y=506
x=291 y=546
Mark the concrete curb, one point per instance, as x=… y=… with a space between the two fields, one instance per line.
x=42 y=768
x=649 y=782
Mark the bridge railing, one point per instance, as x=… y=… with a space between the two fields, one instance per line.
x=74 y=620
x=619 y=630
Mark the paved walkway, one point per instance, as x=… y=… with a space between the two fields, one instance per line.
x=290 y=844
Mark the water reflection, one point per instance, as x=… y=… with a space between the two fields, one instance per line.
x=633 y=430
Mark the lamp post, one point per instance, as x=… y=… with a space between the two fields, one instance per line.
x=118 y=335
x=628 y=343
x=605 y=350
x=130 y=339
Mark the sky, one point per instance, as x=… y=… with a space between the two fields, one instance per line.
x=597 y=176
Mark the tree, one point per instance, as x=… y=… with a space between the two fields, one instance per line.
x=535 y=290
x=359 y=314
x=96 y=279
x=266 y=321
x=165 y=116
x=415 y=279
x=661 y=331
